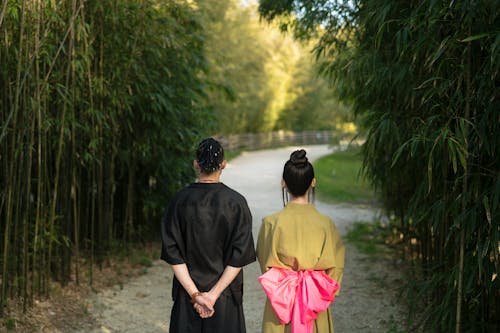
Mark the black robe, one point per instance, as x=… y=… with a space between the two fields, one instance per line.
x=208 y=226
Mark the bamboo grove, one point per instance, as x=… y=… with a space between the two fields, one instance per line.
x=101 y=103
x=424 y=76
x=98 y=111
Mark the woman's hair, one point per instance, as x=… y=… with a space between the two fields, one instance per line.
x=298 y=173
x=209 y=155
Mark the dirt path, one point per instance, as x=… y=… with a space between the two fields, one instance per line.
x=367 y=302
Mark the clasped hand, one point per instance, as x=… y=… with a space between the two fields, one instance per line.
x=204 y=305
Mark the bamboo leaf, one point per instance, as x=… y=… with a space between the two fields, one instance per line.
x=429 y=173
x=475 y=37
x=441 y=48
x=398 y=153
x=487 y=209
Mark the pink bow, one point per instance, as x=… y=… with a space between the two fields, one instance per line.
x=298 y=296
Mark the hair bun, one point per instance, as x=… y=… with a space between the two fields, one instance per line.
x=298 y=158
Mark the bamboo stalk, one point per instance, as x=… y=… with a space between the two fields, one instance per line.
x=129 y=216
x=75 y=193
x=59 y=50
x=5 y=276
x=458 y=323
x=92 y=228
x=10 y=176
x=111 y=194
x=100 y=208
x=39 y=169
x=2 y=12
x=26 y=266
x=51 y=225
x=76 y=226
x=15 y=109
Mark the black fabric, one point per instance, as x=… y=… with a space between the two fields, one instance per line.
x=228 y=317
x=208 y=226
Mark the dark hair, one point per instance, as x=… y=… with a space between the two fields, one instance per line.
x=209 y=155
x=298 y=173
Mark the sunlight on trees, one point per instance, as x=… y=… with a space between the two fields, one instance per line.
x=257 y=74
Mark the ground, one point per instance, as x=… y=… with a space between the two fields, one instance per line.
x=369 y=299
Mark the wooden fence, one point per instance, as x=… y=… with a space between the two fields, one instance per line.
x=255 y=141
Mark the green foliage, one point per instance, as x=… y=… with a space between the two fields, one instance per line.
x=101 y=104
x=10 y=323
x=313 y=104
x=424 y=75
x=367 y=237
x=393 y=328
x=339 y=178
x=258 y=79
x=237 y=76
x=141 y=259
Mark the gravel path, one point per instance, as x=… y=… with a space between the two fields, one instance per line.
x=367 y=302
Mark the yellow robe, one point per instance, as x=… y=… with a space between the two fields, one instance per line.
x=299 y=238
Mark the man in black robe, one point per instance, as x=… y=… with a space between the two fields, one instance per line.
x=207 y=239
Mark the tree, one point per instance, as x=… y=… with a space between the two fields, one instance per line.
x=313 y=104
x=256 y=74
x=237 y=91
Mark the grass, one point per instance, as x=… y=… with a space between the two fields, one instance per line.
x=10 y=323
x=231 y=154
x=374 y=237
x=338 y=178
x=368 y=237
x=141 y=258
x=393 y=327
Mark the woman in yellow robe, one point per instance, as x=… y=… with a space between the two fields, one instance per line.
x=299 y=237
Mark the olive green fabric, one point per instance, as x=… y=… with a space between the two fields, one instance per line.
x=299 y=237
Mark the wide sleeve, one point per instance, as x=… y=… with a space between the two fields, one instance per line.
x=171 y=236
x=266 y=246
x=242 y=249
x=263 y=245
x=334 y=253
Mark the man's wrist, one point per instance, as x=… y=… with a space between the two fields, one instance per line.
x=215 y=292
x=194 y=295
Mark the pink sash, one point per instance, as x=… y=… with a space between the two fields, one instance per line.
x=298 y=296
